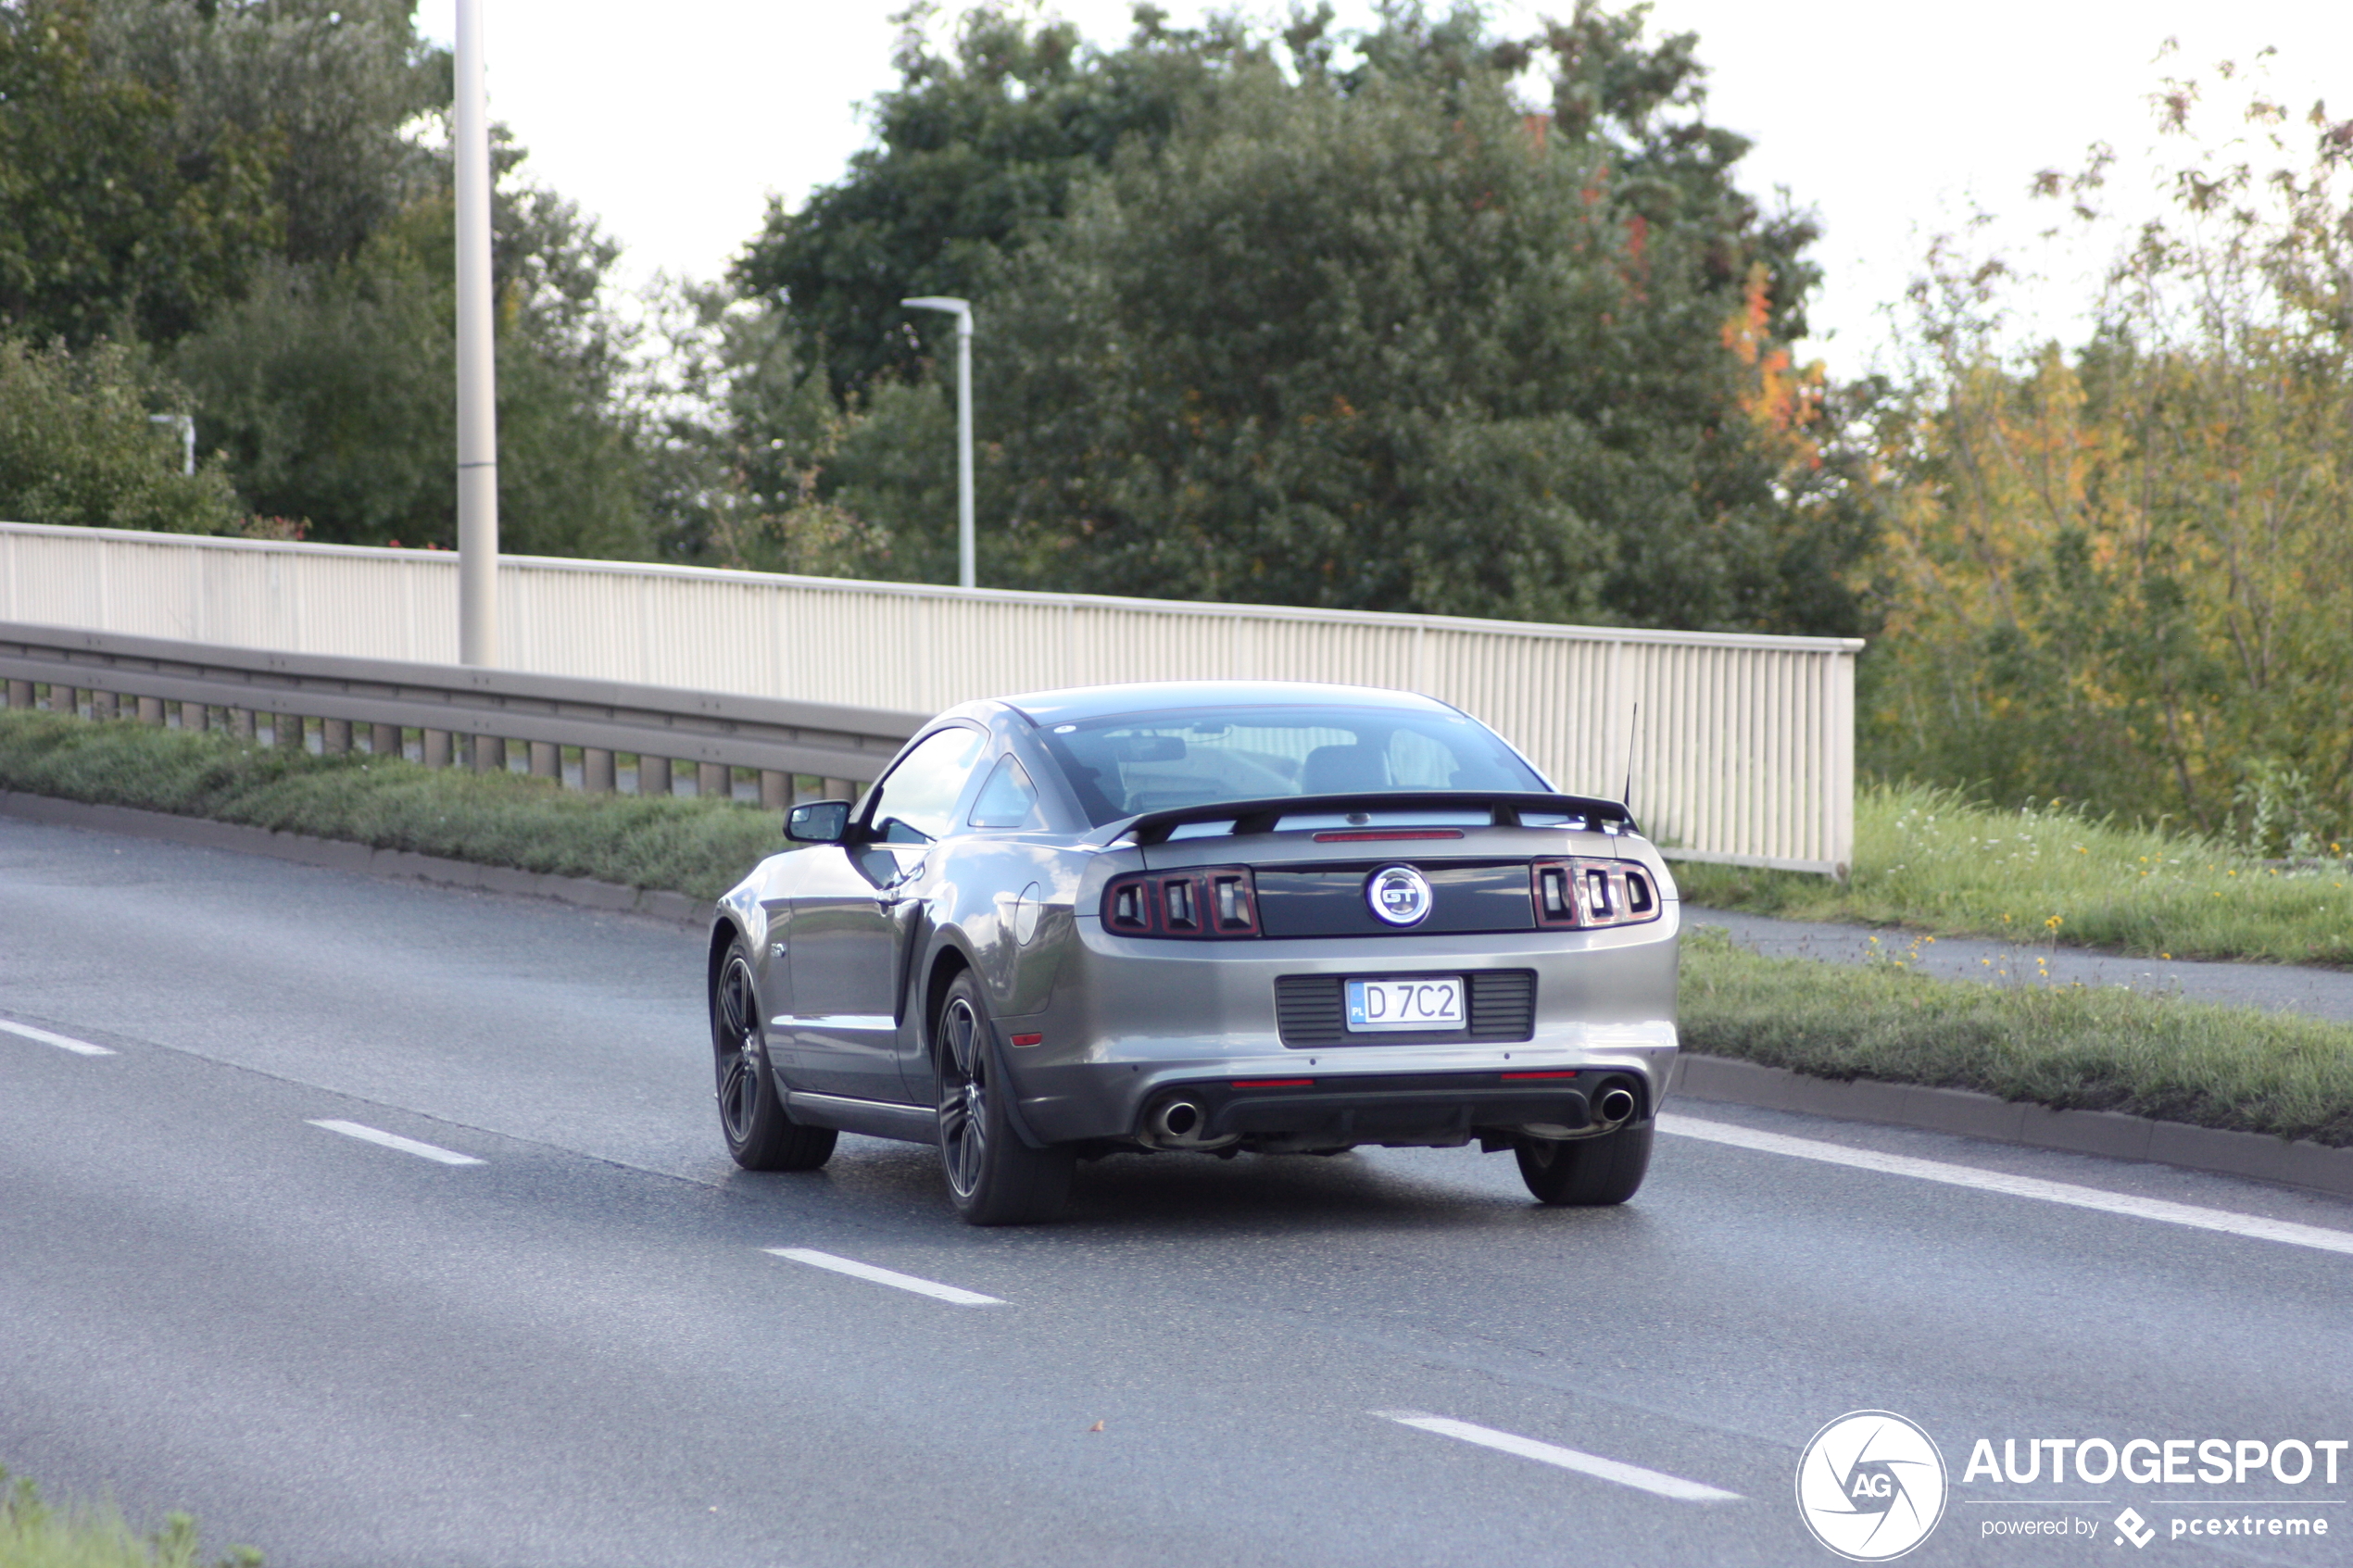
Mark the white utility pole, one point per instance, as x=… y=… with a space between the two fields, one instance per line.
x=967 y=574
x=477 y=367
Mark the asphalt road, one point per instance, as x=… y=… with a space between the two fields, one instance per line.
x=581 y=1351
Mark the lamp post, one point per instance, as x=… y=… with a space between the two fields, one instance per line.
x=477 y=387
x=966 y=575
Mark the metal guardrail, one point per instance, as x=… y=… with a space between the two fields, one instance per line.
x=462 y=713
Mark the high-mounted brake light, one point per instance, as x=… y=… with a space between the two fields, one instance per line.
x=1374 y=835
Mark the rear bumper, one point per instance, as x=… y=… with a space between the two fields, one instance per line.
x=1401 y=1107
x=1134 y=1024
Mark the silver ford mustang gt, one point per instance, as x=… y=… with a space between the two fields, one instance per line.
x=1211 y=917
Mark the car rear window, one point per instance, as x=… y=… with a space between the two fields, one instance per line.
x=1130 y=763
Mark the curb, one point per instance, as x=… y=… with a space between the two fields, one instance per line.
x=2109 y=1134
x=342 y=855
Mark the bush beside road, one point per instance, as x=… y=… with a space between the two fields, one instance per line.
x=35 y=1534
x=1928 y=859
x=699 y=848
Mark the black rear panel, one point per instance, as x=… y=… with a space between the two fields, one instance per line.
x=1328 y=900
x=1309 y=1010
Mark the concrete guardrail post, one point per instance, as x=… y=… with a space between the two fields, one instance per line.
x=102 y=705
x=383 y=740
x=775 y=790
x=437 y=749
x=595 y=769
x=839 y=789
x=653 y=776
x=151 y=712
x=243 y=723
x=335 y=737
x=194 y=716
x=288 y=730
x=20 y=694
x=490 y=753
x=546 y=760
x=713 y=782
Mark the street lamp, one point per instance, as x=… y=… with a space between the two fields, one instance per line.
x=962 y=310
x=477 y=392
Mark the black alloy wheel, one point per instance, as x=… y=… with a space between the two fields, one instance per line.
x=760 y=1136
x=1585 y=1172
x=993 y=1176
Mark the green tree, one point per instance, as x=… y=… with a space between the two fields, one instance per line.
x=1373 y=338
x=972 y=148
x=330 y=388
x=77 y=447
x=113 y=220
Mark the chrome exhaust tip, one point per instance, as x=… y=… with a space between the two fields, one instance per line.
x=1178 y=1121
x=1614 y=1105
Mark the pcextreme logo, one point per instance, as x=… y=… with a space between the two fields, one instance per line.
x=1870 y=1486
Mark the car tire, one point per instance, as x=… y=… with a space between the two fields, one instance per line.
x=993 y=1177
x=761 y=1135
x=1585 y=1172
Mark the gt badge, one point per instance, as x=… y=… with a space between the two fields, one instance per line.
x=1399 y=895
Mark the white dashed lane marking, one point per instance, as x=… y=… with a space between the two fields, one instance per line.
x=394 y=1140
x=856 y=1270
x=79 y=1048
x=1657 y=1482
x=2158 y=1209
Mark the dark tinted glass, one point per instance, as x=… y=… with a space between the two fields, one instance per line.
x=1155 y=761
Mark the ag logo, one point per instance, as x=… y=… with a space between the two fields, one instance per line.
x=1870 y=1486
x=1399 y=895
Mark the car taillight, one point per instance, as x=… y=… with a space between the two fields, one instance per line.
x=1593 y=893
x=1213 y=901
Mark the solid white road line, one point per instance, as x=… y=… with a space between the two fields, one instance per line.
x=394 y=1140
x=1594 y=1465
x=79 y=1048
x=2015 y=1186
x=885 y=1277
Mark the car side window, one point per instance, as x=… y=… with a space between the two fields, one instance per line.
x=917 y=802
x=1008 y=799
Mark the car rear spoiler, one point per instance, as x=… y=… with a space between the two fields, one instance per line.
x=1505 y=809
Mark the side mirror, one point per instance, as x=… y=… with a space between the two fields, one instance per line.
x=818 y=822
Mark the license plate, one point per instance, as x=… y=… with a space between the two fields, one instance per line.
x=1431 y=1002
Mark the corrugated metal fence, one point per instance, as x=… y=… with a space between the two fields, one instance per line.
x=1741 y=748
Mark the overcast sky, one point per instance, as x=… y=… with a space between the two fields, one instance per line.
x=673 y=124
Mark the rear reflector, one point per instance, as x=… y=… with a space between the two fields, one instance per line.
x=1274 y=1082
x=1522 y=1077
x=1027 y=1039
x=1379 y=835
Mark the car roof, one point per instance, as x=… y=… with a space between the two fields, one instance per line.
x=1078 y=704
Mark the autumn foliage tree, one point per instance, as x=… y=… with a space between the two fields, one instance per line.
x=2125 y=573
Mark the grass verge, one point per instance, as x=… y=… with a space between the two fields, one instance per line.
x=701 y=847
x=37 y=1535
x=2070 y=1048
x=1929 y=859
